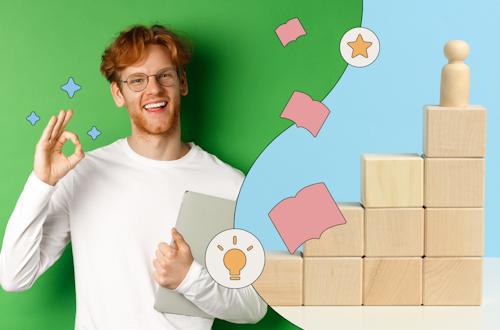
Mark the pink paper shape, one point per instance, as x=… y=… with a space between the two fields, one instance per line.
x=290 y=31
x=305 y=112
x=305 y=216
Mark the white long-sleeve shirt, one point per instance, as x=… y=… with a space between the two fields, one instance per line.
x=116 y=207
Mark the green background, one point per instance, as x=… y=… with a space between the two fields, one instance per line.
x=240 y=79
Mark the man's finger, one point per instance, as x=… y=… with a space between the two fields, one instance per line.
x=179 y=240
x=77 y=156
x=156 y=276
x=48 y=129
x=55 y=132
x=165 y=248
x=67 y=135
x=159 y=269
x=161 y=258
x=66 y=120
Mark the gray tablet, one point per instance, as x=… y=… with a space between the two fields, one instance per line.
x=201 y=218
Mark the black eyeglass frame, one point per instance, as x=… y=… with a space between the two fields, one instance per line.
x=153 y=75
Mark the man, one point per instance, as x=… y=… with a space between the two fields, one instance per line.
x=121 y=202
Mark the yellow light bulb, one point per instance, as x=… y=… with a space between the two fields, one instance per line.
x=235 y=260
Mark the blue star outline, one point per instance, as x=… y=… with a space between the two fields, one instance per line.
x=71 y=87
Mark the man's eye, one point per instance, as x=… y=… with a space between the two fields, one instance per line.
x=137 y=81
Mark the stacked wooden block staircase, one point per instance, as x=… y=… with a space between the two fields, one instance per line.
x=417 y=235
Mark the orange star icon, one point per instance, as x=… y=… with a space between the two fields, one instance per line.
x=359 y=47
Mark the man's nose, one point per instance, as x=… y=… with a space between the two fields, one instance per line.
x=154 y=86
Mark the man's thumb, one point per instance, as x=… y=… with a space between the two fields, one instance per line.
x=179 y=241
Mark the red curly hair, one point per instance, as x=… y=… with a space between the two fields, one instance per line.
x=130 y=46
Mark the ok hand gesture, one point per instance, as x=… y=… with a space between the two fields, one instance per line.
x=51 y=164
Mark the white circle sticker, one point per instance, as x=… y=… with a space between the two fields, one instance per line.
x=359 y=47
x=235 y=258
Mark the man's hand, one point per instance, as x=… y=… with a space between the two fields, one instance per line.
x=172 y=264
x=51 y=164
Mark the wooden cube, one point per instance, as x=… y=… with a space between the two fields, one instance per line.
x=280 y=284
x=394 y=232
x=332 y=281
x=340 y=241
x=454 y=182
x=454 y=232
x=392 y=180
x=453 y=281
x=392 y=281
x=454 y=132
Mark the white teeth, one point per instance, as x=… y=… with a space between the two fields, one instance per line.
x=155 y=105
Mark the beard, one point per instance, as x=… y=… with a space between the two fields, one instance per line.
x=166 y=123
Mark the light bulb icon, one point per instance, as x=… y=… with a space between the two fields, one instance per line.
x=237 y=265
x=235 y=260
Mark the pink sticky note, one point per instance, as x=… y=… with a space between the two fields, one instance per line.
x=305 y=216
x=290 y=31
x=305 y=112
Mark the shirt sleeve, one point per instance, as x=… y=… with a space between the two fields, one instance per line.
x=37 y=233
x=233 y=305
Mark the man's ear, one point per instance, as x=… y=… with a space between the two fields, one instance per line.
x=117 y=95
x=184 y=85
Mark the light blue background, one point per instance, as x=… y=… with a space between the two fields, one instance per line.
x=378 y=109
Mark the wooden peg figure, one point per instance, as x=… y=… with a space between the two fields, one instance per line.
x=455 y=76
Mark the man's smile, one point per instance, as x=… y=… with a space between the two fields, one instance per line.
x=156 y=106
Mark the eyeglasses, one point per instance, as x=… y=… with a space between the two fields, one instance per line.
x=166 y=77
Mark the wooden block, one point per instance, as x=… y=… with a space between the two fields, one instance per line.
x=454 y=132
x=454 y=182
x=280 y=284
x=394 y=232
x=392 y=180
x=340 y=241
x=392 y=281
x=333 y=281
x=454 y=232
x=453 y=281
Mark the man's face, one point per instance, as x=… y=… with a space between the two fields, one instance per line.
x=164 y=120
